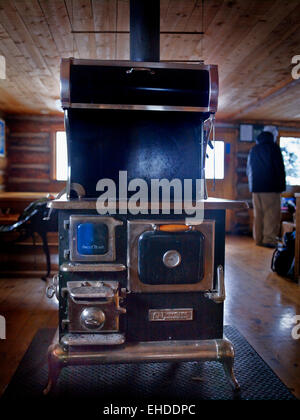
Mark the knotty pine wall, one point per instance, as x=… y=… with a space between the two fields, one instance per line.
x=30 y=150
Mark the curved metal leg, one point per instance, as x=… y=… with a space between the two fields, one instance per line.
x=226 y=357
x=228 y=368
x=54 y=368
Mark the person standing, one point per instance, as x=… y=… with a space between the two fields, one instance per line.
x=266 y=177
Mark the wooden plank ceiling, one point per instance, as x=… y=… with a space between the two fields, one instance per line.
x=252 y=41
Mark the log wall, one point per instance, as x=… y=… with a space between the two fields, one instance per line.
x=30 y=149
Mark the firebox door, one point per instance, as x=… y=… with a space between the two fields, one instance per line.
x=170 y=256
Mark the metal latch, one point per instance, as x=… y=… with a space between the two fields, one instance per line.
x=218 y=295
x=53 y=288
x=66 y=254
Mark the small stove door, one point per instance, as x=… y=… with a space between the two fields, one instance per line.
x=92 y=238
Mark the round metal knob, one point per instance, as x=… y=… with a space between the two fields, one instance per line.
x=171 y=258
x=92 y=318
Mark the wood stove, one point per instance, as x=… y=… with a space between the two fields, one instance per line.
x=142 y=286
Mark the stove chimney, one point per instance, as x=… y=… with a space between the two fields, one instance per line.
x=144 y=30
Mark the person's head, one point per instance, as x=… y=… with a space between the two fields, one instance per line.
x=265 y=137
x=273 y=130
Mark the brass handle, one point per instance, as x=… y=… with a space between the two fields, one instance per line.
x=173 y=228
x=130 y=71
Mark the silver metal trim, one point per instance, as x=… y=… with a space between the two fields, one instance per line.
x=90 y=204
x=65 y=67
x=213 y=89
x=136 y=107
x=110 y=339
x=85 y=268
x=150 y=64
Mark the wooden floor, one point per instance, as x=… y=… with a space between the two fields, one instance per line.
x=259 y=303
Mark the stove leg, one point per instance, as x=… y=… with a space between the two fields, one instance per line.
x=227 y=360
x=220 y=350
x=228 y=368
x=54 y=367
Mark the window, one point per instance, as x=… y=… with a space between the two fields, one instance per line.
x=290 y=148
x=61 y=157
x=214 y=165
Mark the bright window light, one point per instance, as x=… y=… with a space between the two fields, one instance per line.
x=290 y=148
x=218 y=173
x=2 y=67
x=61 y=163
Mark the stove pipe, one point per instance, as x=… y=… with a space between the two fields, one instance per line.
x=144 y=30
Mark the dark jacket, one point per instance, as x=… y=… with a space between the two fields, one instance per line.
x=265 y=167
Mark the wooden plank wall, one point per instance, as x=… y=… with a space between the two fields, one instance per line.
x=3 y=163
x=225 y=188
x=30 y=148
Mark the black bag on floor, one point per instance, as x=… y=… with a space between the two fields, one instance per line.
x=283 y=259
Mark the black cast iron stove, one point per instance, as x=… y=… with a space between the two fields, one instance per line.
x=147 y=286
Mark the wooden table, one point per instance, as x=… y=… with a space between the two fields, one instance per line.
x=18 y=201
x=24 y=257
x=8 y=219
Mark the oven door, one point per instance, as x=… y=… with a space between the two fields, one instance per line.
x=92 y=238
x=170 y=256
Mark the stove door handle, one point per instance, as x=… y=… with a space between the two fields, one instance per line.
x=133 y=69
